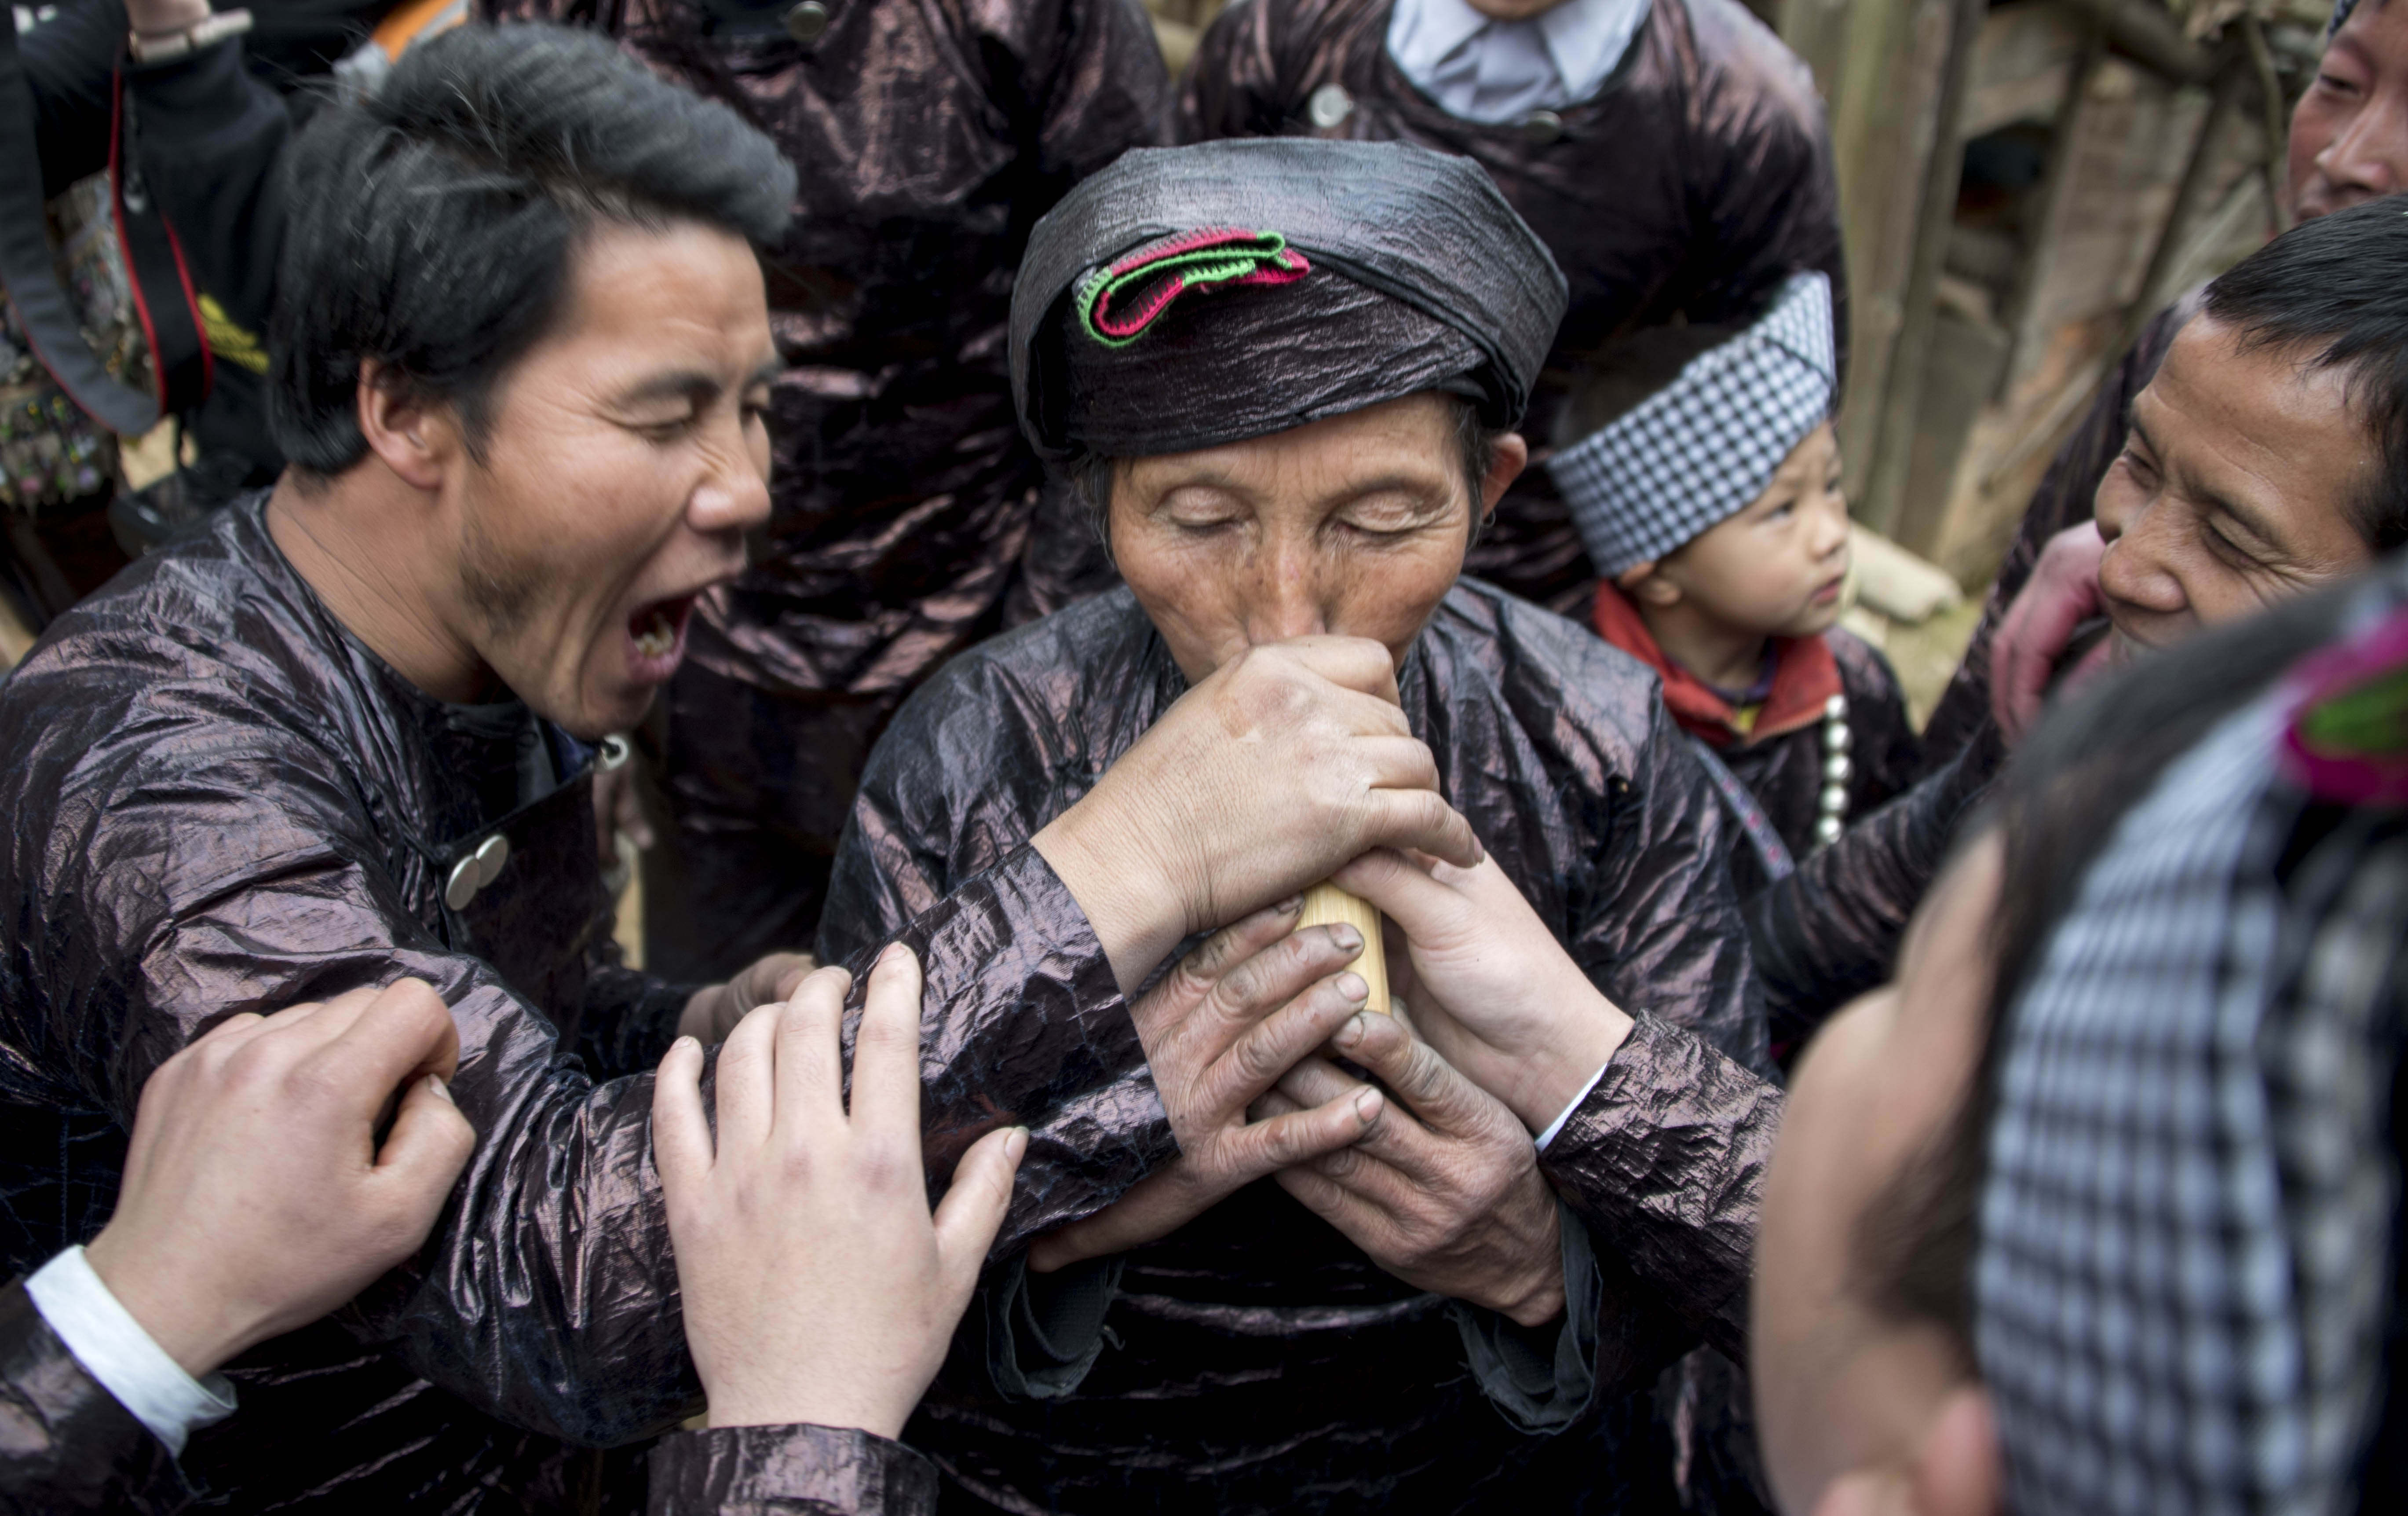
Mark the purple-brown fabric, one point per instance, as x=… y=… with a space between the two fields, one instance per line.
x=1665 y=1161
x=1257 y=1360
x=799 y=1470
x=928 y=138
x=65 y=1443
x=221 y=802
x=1695 y=181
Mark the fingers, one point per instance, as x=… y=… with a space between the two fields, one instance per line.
x=886 y=1050
x=1405 y=892
x=746 y=1079
x=682 y=1148
x=794 y=968
x=1277 y=975
x=1267 y=1146
x=421 y=1158
x=1355 y=663
x=1267 y=1049
x=1241 y=940
x=1421 y=818
x=402 y=1030
x=972 y=1211
x=1428 y=1084
x=810 y=1052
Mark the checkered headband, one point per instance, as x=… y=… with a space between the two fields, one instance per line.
x=2186 y=1226
x=1695 y=452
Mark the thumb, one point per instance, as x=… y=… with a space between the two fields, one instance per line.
x=972 y=1211
x=431 y=1142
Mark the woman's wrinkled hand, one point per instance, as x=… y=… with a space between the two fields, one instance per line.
x=1219 y=1031
x=1445 y=1193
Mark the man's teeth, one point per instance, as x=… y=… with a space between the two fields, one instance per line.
x=658 y=636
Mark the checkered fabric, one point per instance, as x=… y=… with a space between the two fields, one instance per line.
x=1697 y=451
x=2186 y=1228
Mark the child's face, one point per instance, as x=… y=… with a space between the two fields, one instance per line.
x=1774 y=569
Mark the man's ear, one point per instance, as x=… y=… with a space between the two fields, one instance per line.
x=414 y=437
x=1645 y=586
x=1955 y=1471
x=1507 y=455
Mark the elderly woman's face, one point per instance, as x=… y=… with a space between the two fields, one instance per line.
x=1353 y=527
x=2233 y=490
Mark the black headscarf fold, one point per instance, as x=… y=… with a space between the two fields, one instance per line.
x=1342 y=274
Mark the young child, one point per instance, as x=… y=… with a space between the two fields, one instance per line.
x=1700 y=466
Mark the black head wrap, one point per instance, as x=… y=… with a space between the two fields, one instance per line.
x=1190 y=296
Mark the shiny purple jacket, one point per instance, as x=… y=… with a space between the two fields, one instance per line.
x=220 y=801
x=1696 y=178
x=66 y=1444
x=928 y=137
x=1255 y=1360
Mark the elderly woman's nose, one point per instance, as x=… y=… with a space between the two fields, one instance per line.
x=1287 y=598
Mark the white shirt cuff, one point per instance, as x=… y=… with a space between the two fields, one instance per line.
x=1557 y=1124
x=113 y=1349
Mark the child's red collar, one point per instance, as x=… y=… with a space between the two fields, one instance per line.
x=1804 y=676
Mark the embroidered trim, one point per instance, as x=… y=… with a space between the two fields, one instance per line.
x=1118 y=300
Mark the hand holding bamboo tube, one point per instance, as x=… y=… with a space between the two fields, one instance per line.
x=1324 y=905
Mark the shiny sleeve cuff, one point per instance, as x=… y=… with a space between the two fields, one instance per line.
x=1045 y=1331
x=1541 y=1380
x=1547 y=1138
x=1023 y=1022
x=1665 y=1161
x=798 y=1470
x=115 y=1351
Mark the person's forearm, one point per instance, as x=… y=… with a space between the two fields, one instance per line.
x=1025 y=1025
x=1665 y=1161
x=66 y=1442
x=779 y=1470
x=1830 y=932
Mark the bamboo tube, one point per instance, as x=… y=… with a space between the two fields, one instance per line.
x=1326 y=905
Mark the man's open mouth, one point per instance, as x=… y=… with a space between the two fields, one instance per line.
x=656 y=630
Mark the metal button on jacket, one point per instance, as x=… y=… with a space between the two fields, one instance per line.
x=1329 y=105
x=475 y=872
x=1541 y=127
x=807 y=21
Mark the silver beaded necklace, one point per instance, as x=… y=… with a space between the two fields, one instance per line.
x=1831 y=805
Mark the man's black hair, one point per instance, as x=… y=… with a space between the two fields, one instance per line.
x=431 y=226
x=2055 y=808
x=2336 y=290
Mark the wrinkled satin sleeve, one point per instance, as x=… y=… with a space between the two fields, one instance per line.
x=1830 y=932
x=630 y=1019
x=65 y=1444
x=1665 y=1161
x=206 y=861
x=1767 y=189
x=1035 y=1006
x=799 y=1470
